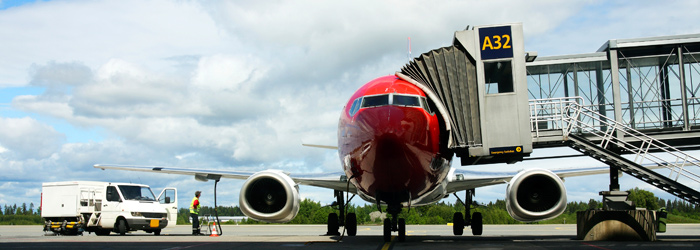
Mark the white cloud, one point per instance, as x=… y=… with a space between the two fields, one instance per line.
x=25 y=138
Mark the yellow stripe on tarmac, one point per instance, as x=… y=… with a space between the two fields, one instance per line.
x=388 y=244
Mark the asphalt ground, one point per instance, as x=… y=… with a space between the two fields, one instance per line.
x=678 y=236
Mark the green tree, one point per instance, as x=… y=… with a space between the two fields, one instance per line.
x=643 y=198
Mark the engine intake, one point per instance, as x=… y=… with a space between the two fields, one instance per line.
x=534 y=195
x=270 y=196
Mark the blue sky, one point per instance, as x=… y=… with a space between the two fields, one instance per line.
x=5 y=4
x=240 y=85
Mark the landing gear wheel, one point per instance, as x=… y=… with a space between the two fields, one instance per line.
x=351 y=224
x=402 y=230
x=477 y=224
x=333 y=224
x=387 y=230
x=458 y=223
x=121 y=227
x=156 y=232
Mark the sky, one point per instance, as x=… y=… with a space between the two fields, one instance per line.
x=240 y=85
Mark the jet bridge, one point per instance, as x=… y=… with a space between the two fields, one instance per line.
x=479 y=87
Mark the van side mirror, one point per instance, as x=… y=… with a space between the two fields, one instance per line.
x=167 y=200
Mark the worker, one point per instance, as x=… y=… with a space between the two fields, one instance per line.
x=194 y=213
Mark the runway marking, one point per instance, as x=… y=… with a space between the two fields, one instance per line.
x=389 y=244
x=591 y=245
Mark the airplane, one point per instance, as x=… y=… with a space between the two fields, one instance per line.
x=393 y=151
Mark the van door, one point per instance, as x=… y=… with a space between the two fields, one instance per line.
x=168 y=199
x=111 y=207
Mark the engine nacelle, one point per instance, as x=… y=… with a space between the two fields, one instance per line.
x=270 y=196
x=534 y=195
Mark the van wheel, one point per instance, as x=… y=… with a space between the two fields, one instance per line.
x=121 y=227
x=156 y=232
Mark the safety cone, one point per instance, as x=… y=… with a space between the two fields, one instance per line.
x=214 y=233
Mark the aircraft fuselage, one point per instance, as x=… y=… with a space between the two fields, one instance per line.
x=389 y=142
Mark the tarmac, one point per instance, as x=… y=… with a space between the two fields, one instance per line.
x=678 y=236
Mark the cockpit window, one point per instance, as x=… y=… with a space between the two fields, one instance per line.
x=355 y=106
x=406 y=100
x=374 y=101
x=389 y=99
x=424 y=103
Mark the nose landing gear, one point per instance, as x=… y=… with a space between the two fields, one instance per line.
x=395 y=224
x=475 y=220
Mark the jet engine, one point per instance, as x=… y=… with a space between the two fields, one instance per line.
x=534 y=195
x=270 y=196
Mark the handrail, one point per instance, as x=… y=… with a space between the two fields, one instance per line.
x=569 y=114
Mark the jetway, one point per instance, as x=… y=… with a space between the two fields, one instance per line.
x=643 y=100
x=479 y=88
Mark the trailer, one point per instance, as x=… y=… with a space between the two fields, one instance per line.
x=74 y=207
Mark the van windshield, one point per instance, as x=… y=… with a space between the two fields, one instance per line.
x=137 y=193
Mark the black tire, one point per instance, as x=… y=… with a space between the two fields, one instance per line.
x=156 y=232
x=387 y=230
x=477 y=224
x=458 y=223
x=351 y=224
x=121 y=227
x=402 y=230
x=333 y=224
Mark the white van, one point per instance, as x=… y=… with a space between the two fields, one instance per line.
x=72 y=207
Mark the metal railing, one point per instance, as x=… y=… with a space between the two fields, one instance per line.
x=569 y=115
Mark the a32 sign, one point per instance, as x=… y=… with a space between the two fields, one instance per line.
x=496 y=42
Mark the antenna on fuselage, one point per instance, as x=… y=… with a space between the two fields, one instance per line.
x=409 y=48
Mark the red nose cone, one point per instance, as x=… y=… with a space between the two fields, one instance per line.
x=396 y=153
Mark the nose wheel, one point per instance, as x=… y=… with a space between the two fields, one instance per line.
x=395 y=224
x=476 y=220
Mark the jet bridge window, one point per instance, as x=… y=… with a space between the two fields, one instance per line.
x=499 y=77
x=406 y=100
x=374 y=101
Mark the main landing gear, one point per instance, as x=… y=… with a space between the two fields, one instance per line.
x=459 y=221
x=335 y=221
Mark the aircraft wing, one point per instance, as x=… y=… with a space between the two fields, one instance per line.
x=463 y=179
x=323 y=180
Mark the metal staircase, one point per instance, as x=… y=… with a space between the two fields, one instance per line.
x=604 y=139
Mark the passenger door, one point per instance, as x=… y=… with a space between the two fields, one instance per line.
x=168 y=200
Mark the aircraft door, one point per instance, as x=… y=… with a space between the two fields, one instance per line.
x=168 y=200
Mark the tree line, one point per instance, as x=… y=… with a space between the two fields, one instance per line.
x=312 y=212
